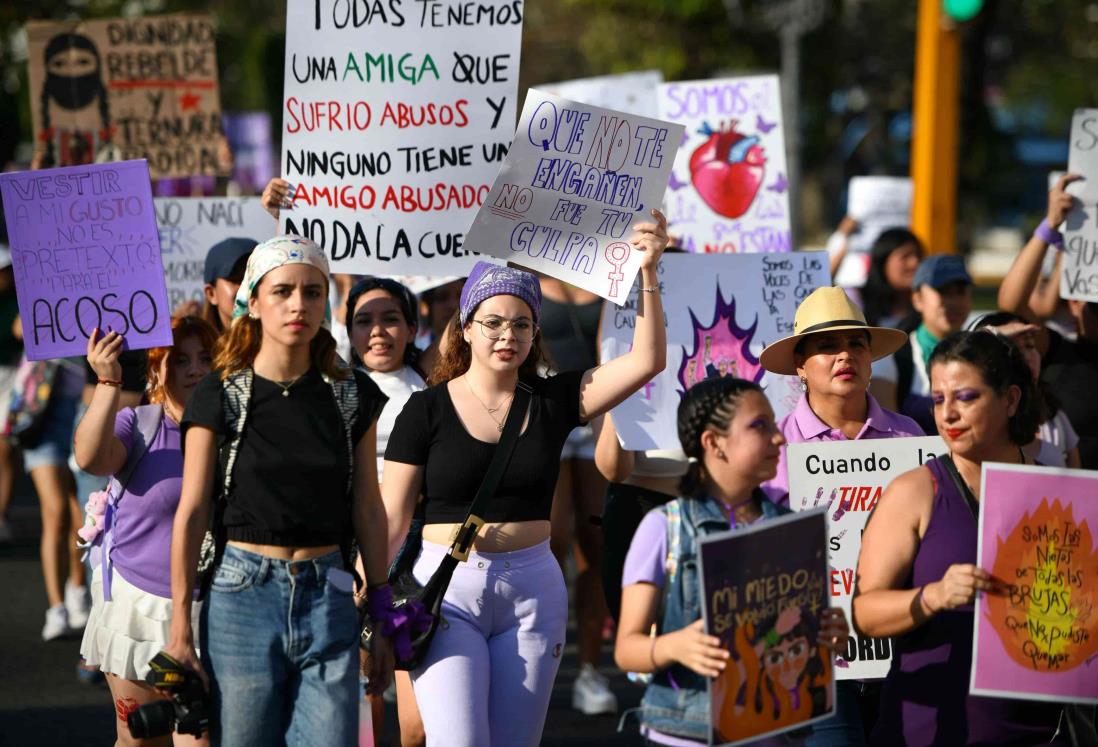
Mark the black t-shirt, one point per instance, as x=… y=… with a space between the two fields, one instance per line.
x=290 y=478
x=429 y=433
x=1071 y=370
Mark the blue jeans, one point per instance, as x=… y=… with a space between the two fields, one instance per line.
x=844 y=729
x=279 y=641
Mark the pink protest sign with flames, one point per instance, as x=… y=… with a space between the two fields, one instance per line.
x=720 y=312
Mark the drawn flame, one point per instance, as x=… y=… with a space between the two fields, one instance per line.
x=723 y=344
x=1047 y=622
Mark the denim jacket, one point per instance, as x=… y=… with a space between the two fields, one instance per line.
x=676 y=701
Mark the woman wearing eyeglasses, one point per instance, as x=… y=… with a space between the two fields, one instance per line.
x=488 y=674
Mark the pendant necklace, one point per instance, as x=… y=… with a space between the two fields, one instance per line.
x=286 y=387
x=490 y=410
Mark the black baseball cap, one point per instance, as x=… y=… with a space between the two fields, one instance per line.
x=224 y=256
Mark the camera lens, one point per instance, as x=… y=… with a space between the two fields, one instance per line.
x=152 y=720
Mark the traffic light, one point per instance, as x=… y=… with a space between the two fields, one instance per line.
x=962 y=10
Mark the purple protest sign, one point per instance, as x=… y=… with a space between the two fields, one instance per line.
x=86 y=254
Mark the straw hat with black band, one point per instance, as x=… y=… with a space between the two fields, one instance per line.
x=827 y=310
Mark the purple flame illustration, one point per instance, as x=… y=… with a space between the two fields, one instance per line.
x=723 y=344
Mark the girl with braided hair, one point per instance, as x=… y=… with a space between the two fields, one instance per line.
x=727 y=430
x=73 y=81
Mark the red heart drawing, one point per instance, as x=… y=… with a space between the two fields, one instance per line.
x=728 y=169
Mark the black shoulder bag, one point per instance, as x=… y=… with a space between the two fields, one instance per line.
x=406 y=590
x=962 y=487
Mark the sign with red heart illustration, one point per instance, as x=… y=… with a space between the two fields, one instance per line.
x=577 y=178
x=728 y=191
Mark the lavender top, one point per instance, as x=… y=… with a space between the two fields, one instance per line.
x=802 y=424
x=142 y=538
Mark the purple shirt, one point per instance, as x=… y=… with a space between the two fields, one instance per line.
x=802 y=424
x=142 y=539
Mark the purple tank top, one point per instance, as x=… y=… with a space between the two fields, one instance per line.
x=925 y=700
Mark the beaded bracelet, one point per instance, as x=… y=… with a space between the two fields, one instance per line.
x=110 y=382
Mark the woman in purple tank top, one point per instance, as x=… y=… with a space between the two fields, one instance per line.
x=917 y=573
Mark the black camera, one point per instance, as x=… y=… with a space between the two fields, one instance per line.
x=187 y=711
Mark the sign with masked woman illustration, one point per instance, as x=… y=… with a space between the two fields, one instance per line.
x=119 y=89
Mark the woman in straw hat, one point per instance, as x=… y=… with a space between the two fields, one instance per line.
x=832 y=350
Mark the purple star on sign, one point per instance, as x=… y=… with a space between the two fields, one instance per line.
x=780 y=184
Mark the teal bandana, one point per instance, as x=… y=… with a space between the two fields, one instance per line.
x=276 y=252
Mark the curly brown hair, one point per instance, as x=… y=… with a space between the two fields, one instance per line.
x=457 y=354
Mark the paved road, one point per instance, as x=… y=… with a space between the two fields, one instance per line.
x=43 y=705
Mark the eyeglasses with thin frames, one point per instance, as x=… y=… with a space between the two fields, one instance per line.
x=493 y=327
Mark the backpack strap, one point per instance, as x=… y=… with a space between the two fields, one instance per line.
x=148 y=420
x=345 y=392
x=236 y=398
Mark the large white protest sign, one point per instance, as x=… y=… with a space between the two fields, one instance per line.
x=720 y=312
x=848 y=477
x=395 y=120
x=877 y=203
x=1079 y=276
x=189 y=226
x=729 y=191
x=576 y=180
x=633 y=93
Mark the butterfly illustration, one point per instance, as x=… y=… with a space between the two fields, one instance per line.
x=763 y=126
x=780 y=184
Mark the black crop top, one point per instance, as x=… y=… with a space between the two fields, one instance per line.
x=429 y=433
x=290 y=478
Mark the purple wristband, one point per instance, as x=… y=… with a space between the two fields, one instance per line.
x=1049 y=235
x=379 y=602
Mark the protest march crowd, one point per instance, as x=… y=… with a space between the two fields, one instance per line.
x=284 y=479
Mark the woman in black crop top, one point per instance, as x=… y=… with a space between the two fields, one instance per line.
x=489 y=671
x=279 y=630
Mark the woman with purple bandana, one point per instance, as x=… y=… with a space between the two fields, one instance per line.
x=279 y=632
x=488 y=674
x=831 y=350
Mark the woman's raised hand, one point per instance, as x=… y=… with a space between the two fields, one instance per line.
x=695 y=650
x=1059 y=201
x=103 y=352
x=276 y=195
x=651 y=238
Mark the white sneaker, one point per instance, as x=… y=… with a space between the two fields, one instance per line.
x=77 y=605
x=57 y=623
x=591 y=693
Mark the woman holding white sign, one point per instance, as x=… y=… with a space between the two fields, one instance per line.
x=488 y=672
x=832 y=350
x=917 y=574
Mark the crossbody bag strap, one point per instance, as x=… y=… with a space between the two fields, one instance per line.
x=962 y=487
x=459 y=550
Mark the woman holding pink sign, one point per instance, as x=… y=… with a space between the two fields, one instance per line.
x=917 y=573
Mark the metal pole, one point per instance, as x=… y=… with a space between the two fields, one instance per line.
x=791 y=85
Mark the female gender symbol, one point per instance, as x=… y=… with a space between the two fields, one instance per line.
x=616 y=254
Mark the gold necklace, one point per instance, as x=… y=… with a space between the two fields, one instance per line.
x=286 y=387
x=490 y=410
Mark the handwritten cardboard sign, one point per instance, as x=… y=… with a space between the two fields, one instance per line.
x=764 y=588
x=719 y=311
x=143 y=87
x=847 y=478
x=189 y=226
x=729 y=191
x=878 y=203
x=1039 y=641
x=634 y=93
x=576 y=180
x=395 y=120
x=1079 y=275
x=86 y=255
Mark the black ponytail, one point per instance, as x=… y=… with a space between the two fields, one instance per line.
x=708 y=405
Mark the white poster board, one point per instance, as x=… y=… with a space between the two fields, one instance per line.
x=576 y=180
x=729 y=190
x=395 y=120
x=189 y=226
x=720 y=311
x=1079 y=276
x=634 y=93
x=877 y=203
x=848 y=477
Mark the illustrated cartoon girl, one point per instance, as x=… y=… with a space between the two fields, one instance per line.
x=73 y=82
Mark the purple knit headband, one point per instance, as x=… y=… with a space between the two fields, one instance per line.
x=487 y=280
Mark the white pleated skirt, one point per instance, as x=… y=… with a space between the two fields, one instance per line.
x=122 y=635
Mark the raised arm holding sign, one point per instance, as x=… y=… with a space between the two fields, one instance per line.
x=86 y=256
